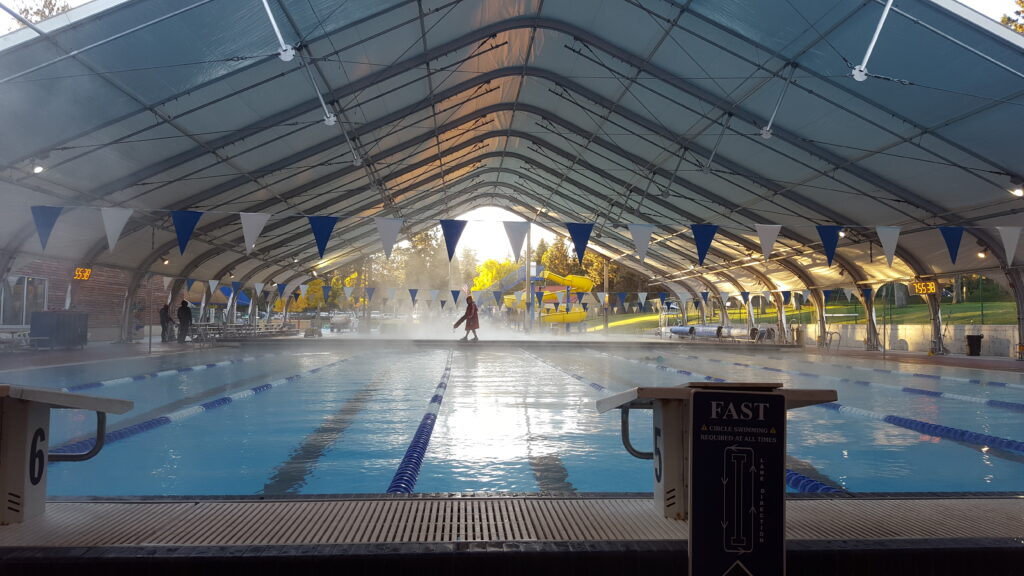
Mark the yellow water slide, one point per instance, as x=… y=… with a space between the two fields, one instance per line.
x=574 y=282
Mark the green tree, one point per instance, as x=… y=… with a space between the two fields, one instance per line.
x=556 y=259
x=468 y=264
x=538 y=251
x=426 y=266
x=1016 y=21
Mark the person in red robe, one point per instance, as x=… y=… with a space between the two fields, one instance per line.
x=471 y=319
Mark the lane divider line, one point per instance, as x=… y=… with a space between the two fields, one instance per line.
x=404 y=480
x=931 y=429
x=161 y=373
x=182 y=414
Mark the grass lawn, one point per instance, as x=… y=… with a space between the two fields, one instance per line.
x=964 y=313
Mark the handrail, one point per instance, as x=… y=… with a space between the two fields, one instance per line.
x=101 y=433
x=625 y=438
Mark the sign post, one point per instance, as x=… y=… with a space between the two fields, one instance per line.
x=737 y=483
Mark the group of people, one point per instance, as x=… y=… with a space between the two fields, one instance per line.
x=167 y=323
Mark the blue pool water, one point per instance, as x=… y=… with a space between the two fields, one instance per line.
x=519 y=419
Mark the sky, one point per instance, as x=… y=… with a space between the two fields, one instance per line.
x=485 y=234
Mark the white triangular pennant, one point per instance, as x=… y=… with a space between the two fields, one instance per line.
x=303 y=288
x=767 y=233
x=561 y=296
x=252 y=226
x=642 y=298
x=641 y=234
x=602 y=298
x=888 y=236
x=388 y=229
x=114 y=220
x=433 y=294
x=1010 y=235
x=213 y=285
x=723 y=297
x=516 y=232
x=259 y=287
x=348 y=291
x=848 y=292
x=391 y=293
x=519 y=296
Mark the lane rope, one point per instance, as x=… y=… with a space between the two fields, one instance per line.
x=404 y=480
x=170 y=372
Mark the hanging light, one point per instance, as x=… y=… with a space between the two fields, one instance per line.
x=842 y=234
x=983 y=253
x=1017 y=186
x=166 y=260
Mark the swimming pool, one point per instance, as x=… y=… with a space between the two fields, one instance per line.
x=518 y=417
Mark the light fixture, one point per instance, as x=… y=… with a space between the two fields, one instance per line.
x=1017 y=186
x=295 y=260
x=983 y=253
x=231 y=274
x=37 y=168
x=314 y=274
x=842 y=234
x=166 y=260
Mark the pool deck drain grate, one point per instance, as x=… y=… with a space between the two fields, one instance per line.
x=432 y=519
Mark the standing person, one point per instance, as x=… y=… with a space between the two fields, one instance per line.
x=471 y=319
x=165 y=323
x=184 y=321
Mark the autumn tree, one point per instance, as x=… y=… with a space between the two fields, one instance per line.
x=491 y=272
x=1016 y=21
x=39 y=10
x=468 y=264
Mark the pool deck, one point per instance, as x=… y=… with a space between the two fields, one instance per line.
x=497 y=533
x=502 y=534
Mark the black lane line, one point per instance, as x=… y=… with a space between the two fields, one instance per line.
x=291 y=475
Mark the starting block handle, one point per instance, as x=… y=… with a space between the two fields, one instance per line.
x=625 y=438
x=101 y=432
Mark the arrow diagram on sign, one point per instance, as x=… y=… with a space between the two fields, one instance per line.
x=738 y=461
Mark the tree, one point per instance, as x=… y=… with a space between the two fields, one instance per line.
x=1015 y=22
x=491 y=272
x=538 y=251
x=39 y=10
x=556 y=258
x=468 y=266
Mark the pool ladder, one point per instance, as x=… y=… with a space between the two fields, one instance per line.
x=826 y=341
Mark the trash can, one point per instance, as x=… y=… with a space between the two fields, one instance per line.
x=974 y=345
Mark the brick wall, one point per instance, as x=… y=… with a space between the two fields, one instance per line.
x=101 y=296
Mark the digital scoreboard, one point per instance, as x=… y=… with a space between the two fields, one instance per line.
x=921 y=288
x=83 y=273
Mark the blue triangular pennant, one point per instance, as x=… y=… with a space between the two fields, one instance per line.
x=188 y=284
x=327 y=291
x=497 y=298
x=455 y=297
x=369 y=292
x=866 y=292
x=322 y=227
x=556 y=305
x=746 y=297
x=826 y=294
x=829 y=240
x=443 y=303
x=184 y=224
x=280 y=289
x=662 y=296
x=540 y=296
x=952 y=235
x=452 y=230
x=296 y=295
x=787 y=295
x=703 y=234
x=236 y=286
x=45 y=217
x=622 y=299
x=704 y=297
x=580 y=234
x=584 y=304
x=412 y=294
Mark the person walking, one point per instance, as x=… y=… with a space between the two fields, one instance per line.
x=165 y=323
x=184 y=321
x=471 y=318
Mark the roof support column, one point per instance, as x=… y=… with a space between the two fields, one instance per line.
x=780 y=309
x=871 y=341
x=1016 y=278
x=819 y=304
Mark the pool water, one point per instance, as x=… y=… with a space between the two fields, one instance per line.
x=520 y=418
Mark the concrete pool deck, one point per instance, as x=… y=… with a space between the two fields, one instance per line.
x=501 y=534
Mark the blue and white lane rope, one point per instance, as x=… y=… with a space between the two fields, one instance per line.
x=665 y=368
x=179 y=415
x=171 y=372
x=404 y=480
x=931 y=429
x=794 y=480
x=1017 y=406
x=978 y=381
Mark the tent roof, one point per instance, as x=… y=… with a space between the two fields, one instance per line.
x=626 y=112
